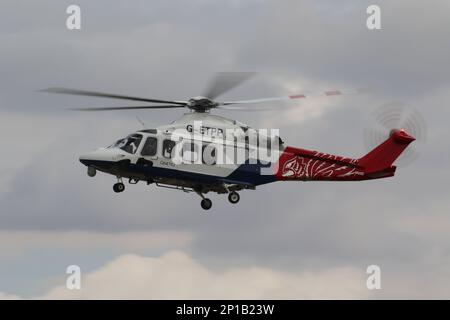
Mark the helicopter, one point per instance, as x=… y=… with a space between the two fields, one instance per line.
x=202 y=152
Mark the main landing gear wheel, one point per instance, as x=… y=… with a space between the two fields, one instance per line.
x=206 y=204
x=233 y=197
x=118 y=187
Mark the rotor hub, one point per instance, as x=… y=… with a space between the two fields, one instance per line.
x=201 y=104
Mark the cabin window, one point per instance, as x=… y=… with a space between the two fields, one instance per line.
x=167 y=148
x=150 y=147
x=190 y=152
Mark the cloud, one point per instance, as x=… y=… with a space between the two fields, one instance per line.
x=330 y=41
x=176 y=275
x=6 y=296
x=15 y=243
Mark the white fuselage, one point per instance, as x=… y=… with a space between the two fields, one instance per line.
x=199 y=148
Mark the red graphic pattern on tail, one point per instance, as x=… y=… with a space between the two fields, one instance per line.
x=302 y=164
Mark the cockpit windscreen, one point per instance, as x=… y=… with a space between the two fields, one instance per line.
x=129 y=144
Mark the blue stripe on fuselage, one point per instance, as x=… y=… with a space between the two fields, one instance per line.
x=246 y=174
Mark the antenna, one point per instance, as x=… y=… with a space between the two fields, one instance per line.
x=140 y=121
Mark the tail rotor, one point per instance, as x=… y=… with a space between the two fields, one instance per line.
x=396 y=115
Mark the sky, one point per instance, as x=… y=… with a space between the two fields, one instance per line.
x=292 y=240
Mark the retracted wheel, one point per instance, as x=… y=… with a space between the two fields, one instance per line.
x=118 y=187
x=233 y=197
x=206 y=204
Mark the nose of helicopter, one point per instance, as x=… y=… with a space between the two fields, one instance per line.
x=100 y=157
x=86 y=159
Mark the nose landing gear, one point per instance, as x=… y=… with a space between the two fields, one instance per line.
x=119 y=186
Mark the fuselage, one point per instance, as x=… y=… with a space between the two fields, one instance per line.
x=202 y=139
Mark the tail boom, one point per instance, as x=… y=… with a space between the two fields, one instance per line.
x=302 y=164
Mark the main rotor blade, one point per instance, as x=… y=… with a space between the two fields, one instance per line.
x=225 y=81
x=255 y=101
x=287 y=98
x=107 y=95
x=127 y=108
x=244 y=108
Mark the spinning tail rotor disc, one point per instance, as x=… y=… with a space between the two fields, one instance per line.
x=396 y=115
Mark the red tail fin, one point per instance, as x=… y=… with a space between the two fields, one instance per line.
x=383 y=156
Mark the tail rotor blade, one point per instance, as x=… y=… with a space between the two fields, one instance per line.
x=389 y=116
x=415 y=123
x=396 y=115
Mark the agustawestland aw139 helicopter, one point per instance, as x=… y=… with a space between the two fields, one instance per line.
x=202 y=152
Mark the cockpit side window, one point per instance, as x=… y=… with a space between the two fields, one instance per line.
x=150 y=147
x=129 y=144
